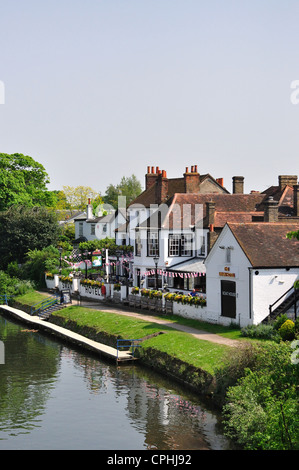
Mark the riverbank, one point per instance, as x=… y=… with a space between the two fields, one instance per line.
x=185 y=354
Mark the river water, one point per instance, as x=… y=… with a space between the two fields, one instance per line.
x=54 y=397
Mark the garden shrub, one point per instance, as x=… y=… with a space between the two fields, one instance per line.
x=261 y=331
x=261 y=409
x=287 y=330
x=279 y=321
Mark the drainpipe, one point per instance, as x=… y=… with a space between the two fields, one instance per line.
x=250 y=291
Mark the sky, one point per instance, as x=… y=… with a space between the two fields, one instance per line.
x=100 y=89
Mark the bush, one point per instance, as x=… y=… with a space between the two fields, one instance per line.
x=260 y=331
x=287 y=330
x=261 y=411
x=279 y=321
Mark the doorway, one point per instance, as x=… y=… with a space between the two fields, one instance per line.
x=228 y=299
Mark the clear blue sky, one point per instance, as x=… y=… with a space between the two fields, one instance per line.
x=100 y=89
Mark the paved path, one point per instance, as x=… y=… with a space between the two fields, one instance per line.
x=64 y=333
x=199 y=334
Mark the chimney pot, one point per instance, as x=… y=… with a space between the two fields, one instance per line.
x=238 y=184
x=186 y=169
x=192 y=169
x=284 y=180
x=153 y=169
x=157 y=170
x=271 y=210
x=148 y=169
x=195 y=168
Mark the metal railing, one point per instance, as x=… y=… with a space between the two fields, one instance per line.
x=4 y=298
x=38 y=308
x=128 y=344
x=288 y=297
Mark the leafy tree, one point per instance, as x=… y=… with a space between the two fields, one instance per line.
x=129 y=187
x=261 y=412
x=39 y=261
x=23 y=229
x=76 y=197
x=23 y=181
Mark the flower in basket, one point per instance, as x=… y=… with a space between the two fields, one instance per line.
x=135 y=290
x=49 y=276
x=178 y=298
x=116 y=287
x=145 y=292
x=66 y=279
x=169 y=297
x=155 y=294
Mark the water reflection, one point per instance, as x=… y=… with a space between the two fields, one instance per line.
x=54 y=397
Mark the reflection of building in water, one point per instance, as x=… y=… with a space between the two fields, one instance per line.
x=97 y=374
x=166 y=417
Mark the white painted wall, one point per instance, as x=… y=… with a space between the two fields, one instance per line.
x=255 y=292
x=216 y=263
x=268 y=285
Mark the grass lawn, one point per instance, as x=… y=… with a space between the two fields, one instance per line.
x=231 y=332
x=31 y=298
x=184 y=346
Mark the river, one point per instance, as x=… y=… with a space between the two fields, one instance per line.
x=53 y=396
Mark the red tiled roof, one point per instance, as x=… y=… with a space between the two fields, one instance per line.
x=266 y=244
x=175 y=186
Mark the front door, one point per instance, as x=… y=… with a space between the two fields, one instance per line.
x=138 y=277
x=228 y=299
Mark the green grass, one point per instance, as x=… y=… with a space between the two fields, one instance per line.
x=231 y=332
x=125 y=326
x=31 y=298
x=200 y=353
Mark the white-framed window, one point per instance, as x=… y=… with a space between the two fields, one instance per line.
x=202 y=246
x=186 y=244
x=174 y=244
x=180 y=244
x=92 y=229
x=137 y=243
x=152 y=243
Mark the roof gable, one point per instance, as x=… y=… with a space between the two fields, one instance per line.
x=266 y=244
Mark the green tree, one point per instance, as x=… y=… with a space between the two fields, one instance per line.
x=261 y=412
x=23 y=181
x=23 y=229
x=129 y=187
x=77 y=197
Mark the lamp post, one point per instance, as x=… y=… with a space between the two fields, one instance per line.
x=118 y=253
x=156 y=260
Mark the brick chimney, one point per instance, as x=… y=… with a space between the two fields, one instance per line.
x=89 y=213
x=212 y=237
x=151 y=176
x=296 y=200
x=289 y=180
x=271 y=210
x=192 y=180
x=210 y=213
x=161 y=187
x=219 y=181
x=238 y=184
